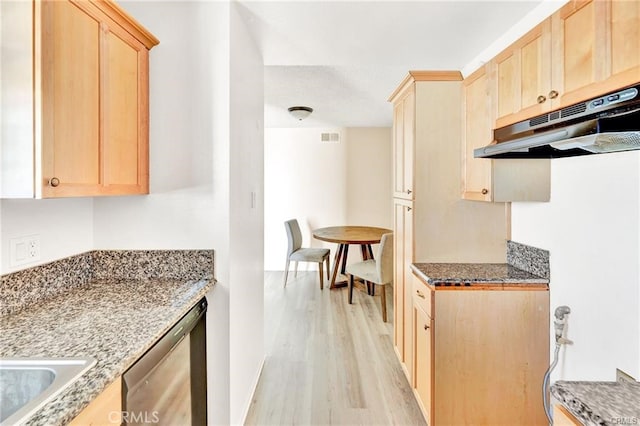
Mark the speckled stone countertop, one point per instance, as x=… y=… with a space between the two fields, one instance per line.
x=600 y=403
x=470 y=275
x=114 y=320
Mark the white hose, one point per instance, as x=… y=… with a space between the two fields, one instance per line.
x=545 y=384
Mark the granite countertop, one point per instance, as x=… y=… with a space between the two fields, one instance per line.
x=114 y=320
x=476 y=275
x=600 y=403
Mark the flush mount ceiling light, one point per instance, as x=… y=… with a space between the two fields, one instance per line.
x=300 y=112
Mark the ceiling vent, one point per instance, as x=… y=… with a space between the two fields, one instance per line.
x=330 y=137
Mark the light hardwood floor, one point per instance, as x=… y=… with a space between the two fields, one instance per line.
x=328 y=362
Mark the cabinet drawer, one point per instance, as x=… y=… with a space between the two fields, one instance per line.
x=422 y=296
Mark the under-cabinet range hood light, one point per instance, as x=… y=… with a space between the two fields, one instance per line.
x=609 y=123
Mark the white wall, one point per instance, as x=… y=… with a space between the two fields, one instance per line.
x=324 y=184
x=246 y=222
x=65 y=227
x=591 y=228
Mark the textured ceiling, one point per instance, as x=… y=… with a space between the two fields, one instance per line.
x=344 y=59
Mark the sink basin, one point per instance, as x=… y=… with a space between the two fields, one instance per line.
x=26 y=384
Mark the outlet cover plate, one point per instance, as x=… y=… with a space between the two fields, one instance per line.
x=24 y=250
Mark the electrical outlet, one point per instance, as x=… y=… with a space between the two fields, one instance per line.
x=23 y=250
x=621 y=376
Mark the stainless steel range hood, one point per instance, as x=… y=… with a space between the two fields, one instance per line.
x=609 y=123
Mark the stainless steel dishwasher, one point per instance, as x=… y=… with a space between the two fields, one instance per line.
x=168 y=384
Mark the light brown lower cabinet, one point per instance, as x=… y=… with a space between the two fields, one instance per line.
x=106 y=409
x=480 y=355
x=562 y=417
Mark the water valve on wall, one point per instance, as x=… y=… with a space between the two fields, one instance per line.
x=560 y=323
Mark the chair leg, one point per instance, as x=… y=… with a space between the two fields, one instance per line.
x=321 y=277
x=327 y=262
x=286 y=272
x=383 y=301
x=295 y=269
x=350 y=288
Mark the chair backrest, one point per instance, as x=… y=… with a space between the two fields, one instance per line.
x=293 y=235
x=384 y=261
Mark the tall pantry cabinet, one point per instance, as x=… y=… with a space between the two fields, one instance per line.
x=432 y=223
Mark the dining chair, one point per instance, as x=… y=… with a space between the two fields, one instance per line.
x=299 y=254
x=377 y=271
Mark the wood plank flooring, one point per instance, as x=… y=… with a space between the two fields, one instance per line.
x=327 y=362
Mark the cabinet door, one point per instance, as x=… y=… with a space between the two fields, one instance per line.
x=94 y=105
x=562 y=417
x=70 y=78
x=579 y=50
x=125 y=109
x=624 y=27
x=403 y=145
x=523 y=77
x=423 y=377
x=106 y=409
x=477 y=132
x=403 y=257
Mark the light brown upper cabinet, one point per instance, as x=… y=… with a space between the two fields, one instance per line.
x=89 y=96
x=485 y=179
x=585 y=49
x=596 y=48
x=523 y=77
x=477 y=132
x=403 y=146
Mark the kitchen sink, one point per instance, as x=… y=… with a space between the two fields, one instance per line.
x=26 y=384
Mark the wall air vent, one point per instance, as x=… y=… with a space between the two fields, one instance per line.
x=573 y=110
x=330 y=137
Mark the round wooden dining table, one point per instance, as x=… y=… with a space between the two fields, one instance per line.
x=364 y=236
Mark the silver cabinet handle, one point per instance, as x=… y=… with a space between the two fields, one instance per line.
x=408 y=191
x=541 y=99
x=408 y=209
x=553 y=94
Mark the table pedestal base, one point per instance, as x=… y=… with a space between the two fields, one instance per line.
x=340 y=263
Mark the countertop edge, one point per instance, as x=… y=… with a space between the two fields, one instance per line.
x=457 y=283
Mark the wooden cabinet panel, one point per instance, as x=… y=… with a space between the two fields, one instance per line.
x=404 y=145
x=89 y=122
x=422 y=296
x=104 y=410
x=398 y=150
x=403 y=257
x=126 y=156
x=596 y=48
x=625 y=41
x=562 y=417
x=579 y=41
x=577 y=30
x=407 y=260
x=490 y=346
x=476 y=179
x=423 y=369
x=71 y=92
x=523 y=77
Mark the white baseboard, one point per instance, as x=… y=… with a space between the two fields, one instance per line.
x=253 y=392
